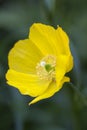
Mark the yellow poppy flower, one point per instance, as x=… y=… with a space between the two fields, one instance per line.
x=37 y=65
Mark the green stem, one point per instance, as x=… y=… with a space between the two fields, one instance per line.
x=83 y=98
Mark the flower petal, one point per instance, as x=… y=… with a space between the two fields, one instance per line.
x=62 y=41
x=44 y=38
x=69 y=63
x=27 y=84
x=63 y=66
x=24 y=56
x=52 y=89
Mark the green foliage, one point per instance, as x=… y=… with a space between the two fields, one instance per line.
x=65 y=110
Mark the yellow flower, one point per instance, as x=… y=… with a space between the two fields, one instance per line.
x=37 y=65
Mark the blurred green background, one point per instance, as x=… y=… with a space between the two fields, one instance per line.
x=66 y=109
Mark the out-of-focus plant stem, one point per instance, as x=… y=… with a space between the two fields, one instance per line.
x=82 y=97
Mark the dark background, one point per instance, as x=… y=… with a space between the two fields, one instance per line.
x=65 y=110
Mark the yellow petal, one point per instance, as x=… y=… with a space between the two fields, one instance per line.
x=27 y=84
x=24 y=56
x=50 y=40
x=69 y=63
x=44 y=38
x=52 y=89
x=63 y=65
x=63 y=41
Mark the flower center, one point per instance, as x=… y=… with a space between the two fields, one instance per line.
x=46 y=68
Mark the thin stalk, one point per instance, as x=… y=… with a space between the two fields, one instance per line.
x=83 y=98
